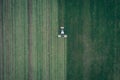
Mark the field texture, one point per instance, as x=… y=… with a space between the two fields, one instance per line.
x=93 y=45
x=31 y=50
x=29 y=46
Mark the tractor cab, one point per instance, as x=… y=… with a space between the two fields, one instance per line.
x=62 y=34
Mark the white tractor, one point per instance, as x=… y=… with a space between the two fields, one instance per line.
x=62 y=33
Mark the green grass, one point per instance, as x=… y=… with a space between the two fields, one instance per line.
x=32 y=49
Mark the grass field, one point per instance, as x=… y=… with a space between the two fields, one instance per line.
x=29 y=46
x=93 y=45
x=31 y=50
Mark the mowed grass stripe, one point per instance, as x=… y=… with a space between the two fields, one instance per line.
x=65 y=59
x=7 y=40
x=20 y=40
x=42 y=40
x=25 y=40
x=39 y=39
x=54 y=26
x=11 y=36
x=61 y=59
x=4 y=44
x=14 y=42
x=45 y=41
x=34 y=41
x=1 y=40
x=48 y=3
x=61 y=44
